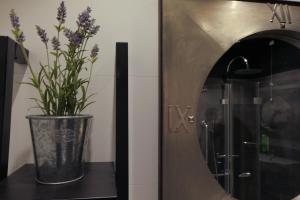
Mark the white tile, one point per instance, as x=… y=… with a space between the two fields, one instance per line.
x=143 y=192
x=20 y=150
x=129 y=26
x=143 y=130
x=114 y=18
x=20 y=69
x=102 y=141
x=144 y=49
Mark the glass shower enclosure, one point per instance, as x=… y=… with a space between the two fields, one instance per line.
x=249 y=135
x=229 y=137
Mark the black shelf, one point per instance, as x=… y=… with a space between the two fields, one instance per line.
x=98 y=183
x=9 y=54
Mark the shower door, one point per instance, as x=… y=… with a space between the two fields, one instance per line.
x=230 y=134
x=242 y=126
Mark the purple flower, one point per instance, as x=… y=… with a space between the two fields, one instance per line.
x=94 y=51
x=84 y=20
x=55 y=43
x=68 y=33
x=14 y=19
x=42 y=33
x=15 y=22
x=94 y=30
x=61 y=13
x=75 y=38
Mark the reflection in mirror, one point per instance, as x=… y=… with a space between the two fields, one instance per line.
x=249 y=114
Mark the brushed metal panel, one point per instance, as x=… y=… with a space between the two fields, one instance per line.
x=196 y=33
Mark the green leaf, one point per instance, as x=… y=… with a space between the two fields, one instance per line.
x=86 y=105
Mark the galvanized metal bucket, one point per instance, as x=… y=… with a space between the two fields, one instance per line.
x=59 y=145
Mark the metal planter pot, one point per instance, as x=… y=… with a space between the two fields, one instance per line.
x=59 y=145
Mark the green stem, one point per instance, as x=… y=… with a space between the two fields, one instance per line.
x=32 y=74
x=90 y=77
x=26 y=58
x=48 y=60
x=57 y=66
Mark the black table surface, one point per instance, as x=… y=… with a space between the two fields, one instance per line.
x=98 y=183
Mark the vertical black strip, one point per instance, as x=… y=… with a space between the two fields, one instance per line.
x=3 y=147
x=9 y=53
x=122 y=120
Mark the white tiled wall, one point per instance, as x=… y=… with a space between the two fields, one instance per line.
x=20 y=141
x=132 y=21
x=143 y=135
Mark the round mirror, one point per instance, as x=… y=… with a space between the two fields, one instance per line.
x=249 y=119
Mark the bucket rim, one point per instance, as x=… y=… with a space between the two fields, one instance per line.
x=83 y=116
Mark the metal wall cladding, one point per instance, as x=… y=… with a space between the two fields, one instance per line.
x=196 y=33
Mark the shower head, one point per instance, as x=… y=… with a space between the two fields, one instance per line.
x=243 y=71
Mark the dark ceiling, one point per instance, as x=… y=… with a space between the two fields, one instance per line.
x=285 y=57
x=291 y=2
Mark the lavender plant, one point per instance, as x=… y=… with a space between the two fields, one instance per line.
x=61 y=88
